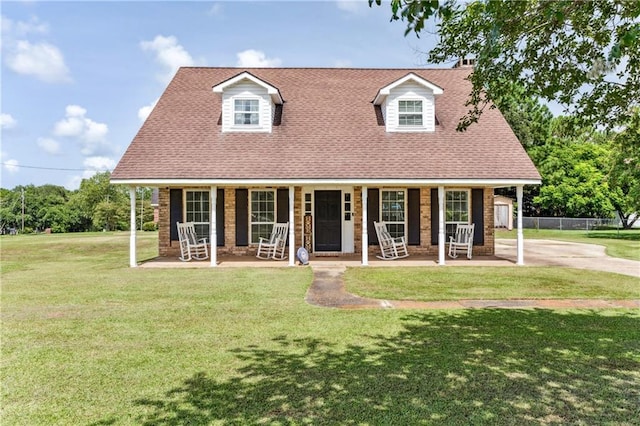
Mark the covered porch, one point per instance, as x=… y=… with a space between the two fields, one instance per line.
x=358 y=246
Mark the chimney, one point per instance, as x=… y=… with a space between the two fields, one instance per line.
x=465 y=63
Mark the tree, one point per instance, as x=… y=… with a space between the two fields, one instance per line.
x=10 y=209
x=94 y=191
x=574 y=173
x=624 y=177
x=531 y=122
x=583 y=54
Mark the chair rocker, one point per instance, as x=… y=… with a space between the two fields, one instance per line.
x=274 y=246
x=390 y=248
x=191 y=247
x=462 y=241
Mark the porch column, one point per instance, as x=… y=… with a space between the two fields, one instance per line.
x=292 y=236
x=441 y=228
x=520 y=236
x=213 y=237
x=365 y=230
x=132 y=235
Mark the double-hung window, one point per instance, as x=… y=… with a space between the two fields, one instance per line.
x=246 y=112
x=457 y=210
x=198 y=211
x=392 y=209
x=410 y=113
x=262 y=215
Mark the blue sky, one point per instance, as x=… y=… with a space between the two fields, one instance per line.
x=78 y=78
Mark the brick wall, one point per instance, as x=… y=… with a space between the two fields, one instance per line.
x=171 y=249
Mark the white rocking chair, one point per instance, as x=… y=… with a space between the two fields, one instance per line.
x=391 y=248
x=190 y=245
x=274 y=247
x=463 y=241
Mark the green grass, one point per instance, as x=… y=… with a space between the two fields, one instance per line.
x=87 y=340
x=619 y=243
x=464 y=282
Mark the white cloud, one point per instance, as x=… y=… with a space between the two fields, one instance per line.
x=99 y=163
x=41 y=60
x=11 y=166
x=352 y=6
x=144 y=112
x=48 y=145
x=91 y=134
x=169 y=54
x=7 y=121
x=21 y=28
x=215 y=10
x=342 y=63
x=92 y=165
x=256 y=59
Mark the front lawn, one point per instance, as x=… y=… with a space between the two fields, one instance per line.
x=87 y=340
x=468 y=282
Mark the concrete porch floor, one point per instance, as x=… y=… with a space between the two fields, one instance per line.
x=344 y=260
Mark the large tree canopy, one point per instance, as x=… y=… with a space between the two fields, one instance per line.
x=583 y=54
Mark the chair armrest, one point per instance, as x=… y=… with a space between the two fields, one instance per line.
x=203 y=240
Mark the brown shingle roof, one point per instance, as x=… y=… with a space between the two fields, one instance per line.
x=329 y=130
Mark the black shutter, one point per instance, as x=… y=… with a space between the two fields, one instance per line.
x=220 y=217
x=477 y=216
x=373 y=214
x=175 y=212
x=282 y=215
x=434 y=216
x=413 y=216
x=242 y=217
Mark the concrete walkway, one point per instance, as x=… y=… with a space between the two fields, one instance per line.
x=327 y=288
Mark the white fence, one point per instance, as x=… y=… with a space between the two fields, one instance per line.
x=568 y=223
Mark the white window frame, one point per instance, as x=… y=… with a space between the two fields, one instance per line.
x=450 y=224
x=268 y=225
x=202 y=227
x=421 y=114
x=391 y=225
x=235 y=111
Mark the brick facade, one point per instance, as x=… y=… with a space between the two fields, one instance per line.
x=169 y=248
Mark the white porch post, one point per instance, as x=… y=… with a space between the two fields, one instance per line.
x=132 y=237
x=520 y=236
x=213 y=237
x=365 y=231
x=292 y=237
x=441 y=229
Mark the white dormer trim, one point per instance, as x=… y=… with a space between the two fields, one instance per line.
x=385 y=91
x=247 y=87
x=417 y=96
x=271 y=90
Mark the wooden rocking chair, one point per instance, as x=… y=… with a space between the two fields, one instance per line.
x=274 y=247
x=190 y=245
x=462 y=241
x=391 y=248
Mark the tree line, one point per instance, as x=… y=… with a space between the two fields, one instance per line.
x=97 y=205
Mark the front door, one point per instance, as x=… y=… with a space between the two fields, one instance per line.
x=328 y=219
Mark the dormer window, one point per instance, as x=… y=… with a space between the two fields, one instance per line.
x=410 y=113
x=246 y=112
x=249 y=104
x=409 y=104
